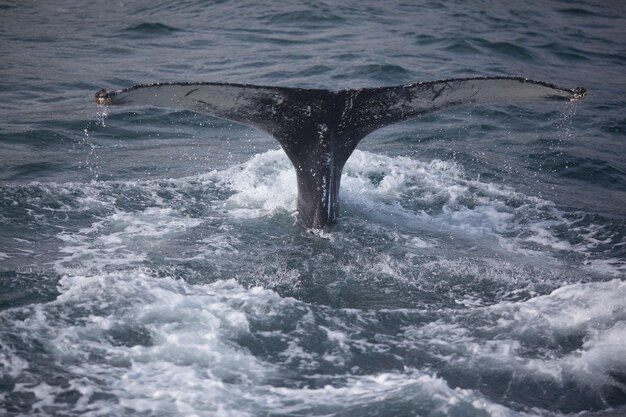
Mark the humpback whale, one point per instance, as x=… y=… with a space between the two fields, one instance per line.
x=318 y=129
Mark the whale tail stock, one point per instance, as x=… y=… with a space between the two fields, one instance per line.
x=319 y=129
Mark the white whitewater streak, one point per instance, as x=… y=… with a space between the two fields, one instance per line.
x=162 y=346
x=263 y=185
x=267 y=182
x=189 y=363
x=369 y=395
x=434 y=196
x=593 y=312
x=435 y=184
x=596 y=310
x=446 y=200
x=119 y=239
x=183 y=368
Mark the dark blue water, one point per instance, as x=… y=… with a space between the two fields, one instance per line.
x=151 y=263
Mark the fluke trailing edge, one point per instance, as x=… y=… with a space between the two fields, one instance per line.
x=319 y=129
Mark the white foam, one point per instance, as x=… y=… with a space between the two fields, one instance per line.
x=187 y=358
x=606 y=267
x=422 y=393
x=120 y=239
x=470 y=209
x=189 y=361
x=263 y=185
x=386 y=188
x=11 y=364
x=426 y=182
x=594 y=312
x=425 y=198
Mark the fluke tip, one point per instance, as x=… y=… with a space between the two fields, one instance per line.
x=579 y=93
x=102 y=97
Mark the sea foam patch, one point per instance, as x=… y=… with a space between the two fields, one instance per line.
x=120 y=239
x=131 y=342
x=568 y=340
x=432 y=199
x=125 y=335
x=261 y=186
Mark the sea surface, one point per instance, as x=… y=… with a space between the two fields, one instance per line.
x=152 y=263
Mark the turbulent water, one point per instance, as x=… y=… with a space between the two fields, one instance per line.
x=152 y=263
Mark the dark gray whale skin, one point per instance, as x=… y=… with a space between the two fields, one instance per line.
x=319 y=129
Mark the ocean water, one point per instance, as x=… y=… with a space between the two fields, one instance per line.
x=151 y=262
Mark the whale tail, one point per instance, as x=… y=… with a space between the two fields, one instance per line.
x=319 y=129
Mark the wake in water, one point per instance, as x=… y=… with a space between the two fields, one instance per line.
x=440 y=293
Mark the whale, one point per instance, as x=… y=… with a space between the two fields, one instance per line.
x=319 y=129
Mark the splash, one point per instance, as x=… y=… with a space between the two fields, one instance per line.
x=101 y=114
x=92 y=160
x=566 y=120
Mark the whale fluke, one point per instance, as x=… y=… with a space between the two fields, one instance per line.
x=319 y=129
